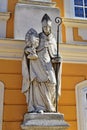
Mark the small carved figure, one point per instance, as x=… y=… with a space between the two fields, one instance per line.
x=31 y=36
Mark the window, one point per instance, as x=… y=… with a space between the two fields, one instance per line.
x=81 y=103
x=1 y=103
x=80 y=8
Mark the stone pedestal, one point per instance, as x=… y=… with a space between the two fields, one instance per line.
x=45 y=121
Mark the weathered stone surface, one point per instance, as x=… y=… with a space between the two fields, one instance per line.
x=53 y=121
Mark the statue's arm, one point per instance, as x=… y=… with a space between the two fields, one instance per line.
x=52 y=47
x=53 y=52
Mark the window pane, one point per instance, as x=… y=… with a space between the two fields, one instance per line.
x=79 y=12
x=85 y=12
x=79 y=2
x=85 y=1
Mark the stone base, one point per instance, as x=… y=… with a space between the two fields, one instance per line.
x=51 y=121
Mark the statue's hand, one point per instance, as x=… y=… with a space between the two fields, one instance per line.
x=27 y=50
x=57 y=60
x=32 y=56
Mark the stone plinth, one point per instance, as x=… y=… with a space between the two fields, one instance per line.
x=51 y=121
x=4 y=16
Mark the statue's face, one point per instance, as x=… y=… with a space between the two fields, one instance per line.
x=47 y=30
x=35 y=41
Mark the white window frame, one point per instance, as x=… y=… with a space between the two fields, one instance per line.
x=71 y=21
x=81 y=90
x=1 y=103
x=83 y=9
x=69 y=10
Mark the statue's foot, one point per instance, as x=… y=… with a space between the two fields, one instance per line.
x=32 y=111
x=36 y=111
x=40 y=111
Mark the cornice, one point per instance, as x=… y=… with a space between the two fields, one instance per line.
x=13 y=49
x=41 y=3
x=72 y=22
x=74 y=53
x=4 y=15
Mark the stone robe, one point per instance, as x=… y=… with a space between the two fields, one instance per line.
x=39 y=78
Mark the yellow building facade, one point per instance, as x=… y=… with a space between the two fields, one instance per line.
x=74 y=70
